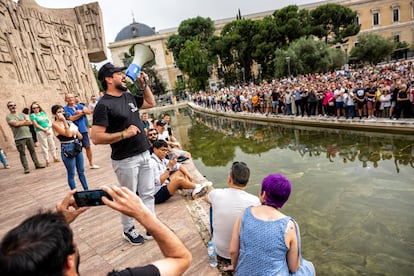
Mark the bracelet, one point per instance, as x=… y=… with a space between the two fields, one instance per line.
x=168 y=169
x=122 y=135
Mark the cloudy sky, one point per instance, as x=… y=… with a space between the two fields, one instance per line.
x=164 y=14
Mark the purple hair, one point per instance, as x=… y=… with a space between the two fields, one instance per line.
x=277 y=188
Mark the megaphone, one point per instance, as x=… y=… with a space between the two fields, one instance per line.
x=143 y=55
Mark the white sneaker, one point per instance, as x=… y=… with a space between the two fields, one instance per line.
x=200 y=190
x=94 y=166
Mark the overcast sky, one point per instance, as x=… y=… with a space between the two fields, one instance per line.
x=164 y=14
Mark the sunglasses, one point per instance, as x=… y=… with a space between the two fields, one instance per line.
x=242 y=163
x=11 y=105
x=152 y=134
x=35 y=107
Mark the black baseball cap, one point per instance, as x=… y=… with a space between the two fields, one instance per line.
x=161 y=123
x=107 y=70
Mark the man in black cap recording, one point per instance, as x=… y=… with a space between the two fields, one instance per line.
x=116 y=122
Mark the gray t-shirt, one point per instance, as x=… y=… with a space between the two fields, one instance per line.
x=19 y=132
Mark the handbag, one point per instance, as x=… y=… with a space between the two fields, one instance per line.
x=306 y=267
x=76 y=150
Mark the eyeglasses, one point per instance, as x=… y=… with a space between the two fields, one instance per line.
x=11 y=105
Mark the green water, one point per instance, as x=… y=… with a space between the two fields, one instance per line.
x=353 y=192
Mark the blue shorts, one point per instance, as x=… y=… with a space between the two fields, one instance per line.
x=162 y=195
x=85 y=140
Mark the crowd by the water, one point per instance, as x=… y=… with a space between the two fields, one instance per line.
x=371 y=92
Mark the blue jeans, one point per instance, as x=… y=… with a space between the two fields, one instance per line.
x=3 y=158
x=74 y=163
x=136 y=174
x=349 y=111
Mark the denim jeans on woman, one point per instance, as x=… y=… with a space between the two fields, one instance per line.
x=74 y=163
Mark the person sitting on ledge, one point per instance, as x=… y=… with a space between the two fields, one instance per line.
x=44 y=244
x=226 y=206
x=170 y=175
x=160 y=126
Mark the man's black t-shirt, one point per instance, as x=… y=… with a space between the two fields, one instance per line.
x=117 y=114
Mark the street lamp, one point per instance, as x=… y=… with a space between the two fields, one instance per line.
x=259 y=67
x=288 y=64
x=346 y=60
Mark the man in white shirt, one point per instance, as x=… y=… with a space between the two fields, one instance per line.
x=227 y=204
x=169 y=176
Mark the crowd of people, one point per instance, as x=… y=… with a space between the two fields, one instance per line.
x=368 y=93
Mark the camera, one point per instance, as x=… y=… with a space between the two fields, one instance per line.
x=66 y=115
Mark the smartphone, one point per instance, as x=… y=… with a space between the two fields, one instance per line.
x=90 y=198
x=169 y=131
x=171 y=156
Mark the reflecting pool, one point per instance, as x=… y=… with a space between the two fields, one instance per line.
x=352 y=192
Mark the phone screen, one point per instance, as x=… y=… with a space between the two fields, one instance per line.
x=90 y=198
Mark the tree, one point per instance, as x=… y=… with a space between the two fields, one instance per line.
x=197 y=28
x=307 y=55
x=333 y=23
x=291 y=23
x=95 y=72
x=237 y=45
x=155 y=83
x=193 y=61
x=372 y=48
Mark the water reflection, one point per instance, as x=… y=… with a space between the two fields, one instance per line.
x=353 y=193
x=346 y=146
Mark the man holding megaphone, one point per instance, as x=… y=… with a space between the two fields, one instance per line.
x=116 y=121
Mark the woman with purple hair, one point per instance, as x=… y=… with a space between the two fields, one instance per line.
x=265 y=241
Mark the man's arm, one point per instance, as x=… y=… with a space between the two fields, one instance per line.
x=177 y=257
x=149 y=100
x=15 y=123
x=100 y=136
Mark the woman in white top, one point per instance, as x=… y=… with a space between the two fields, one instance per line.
x=385 y=100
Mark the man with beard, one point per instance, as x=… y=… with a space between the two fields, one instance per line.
x=116 y=121
x=44 y=245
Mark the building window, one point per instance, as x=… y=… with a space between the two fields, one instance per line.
x=375 y=19
x=395 y=15
x=396 y=38
x=357 y=20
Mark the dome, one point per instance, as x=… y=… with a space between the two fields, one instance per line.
x=134 y=30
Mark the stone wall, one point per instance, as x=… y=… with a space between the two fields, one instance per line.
x=46 y=53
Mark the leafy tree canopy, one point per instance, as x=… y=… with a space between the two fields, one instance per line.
x=334 y=23
x=372 y=48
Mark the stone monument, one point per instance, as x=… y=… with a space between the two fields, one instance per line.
x=46 y=53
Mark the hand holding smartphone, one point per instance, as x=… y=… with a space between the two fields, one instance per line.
x=90 y=198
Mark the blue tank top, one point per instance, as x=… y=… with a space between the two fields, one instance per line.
x=262 y=246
